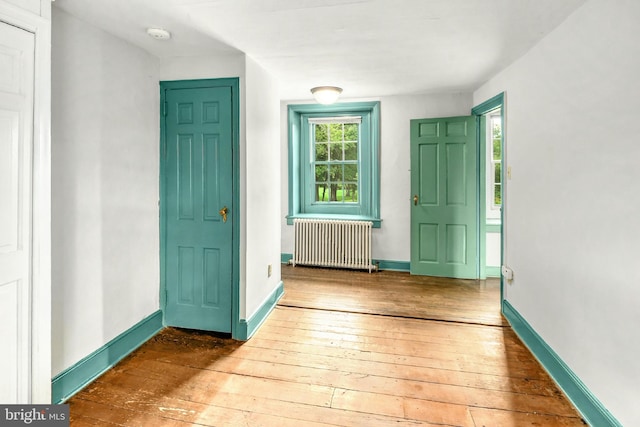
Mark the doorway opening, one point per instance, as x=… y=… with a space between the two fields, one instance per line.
x=493 y=193
x=490 y=118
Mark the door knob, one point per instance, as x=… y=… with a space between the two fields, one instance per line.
x=415 y=200
x=223 y=213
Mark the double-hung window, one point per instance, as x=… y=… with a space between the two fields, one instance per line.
x=334 y=161
x=494 y=164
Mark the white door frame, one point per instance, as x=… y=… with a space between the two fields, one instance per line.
x=41 y=203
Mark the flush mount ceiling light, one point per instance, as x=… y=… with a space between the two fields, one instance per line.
x=159 y=33
x=326 y=94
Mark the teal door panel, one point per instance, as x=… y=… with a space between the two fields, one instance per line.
x=444 y=197
x=198 y=185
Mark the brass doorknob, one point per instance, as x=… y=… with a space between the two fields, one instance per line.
x=223 y=213
x=415 y=200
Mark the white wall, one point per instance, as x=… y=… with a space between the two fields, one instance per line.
x=493 y=249
x=572 y=205
x=203 y=67
x=104 y=188
x=391 y=242
x=261 y=211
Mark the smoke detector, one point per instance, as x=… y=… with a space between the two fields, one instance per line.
x=159 y=33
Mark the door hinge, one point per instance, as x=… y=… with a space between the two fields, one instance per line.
x=164 y=108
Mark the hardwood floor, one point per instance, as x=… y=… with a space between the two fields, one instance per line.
x=392 y=293
x=336 y=364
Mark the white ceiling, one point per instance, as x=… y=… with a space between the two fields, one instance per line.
x=368 y=47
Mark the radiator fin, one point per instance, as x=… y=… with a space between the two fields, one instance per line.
x=333 y=243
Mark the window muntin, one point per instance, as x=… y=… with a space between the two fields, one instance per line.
x=335 y=159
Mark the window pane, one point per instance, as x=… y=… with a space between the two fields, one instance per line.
x=496 y=149
x=496 y=127
x=339 y=192
x=321 y=133
x=335 y=173
x=496 y=173
x=321 y=173
x=351 y=173
x=332 y=192
x=322 y=192
x=336 y=152
x=351 y=132
x=497 y=196
x=351 y=192
x=335 y=132
x=322 y=153
x=350 y=151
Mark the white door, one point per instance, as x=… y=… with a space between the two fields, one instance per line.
x=16 y=148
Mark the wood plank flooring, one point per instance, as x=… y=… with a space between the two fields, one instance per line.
x=394 y=294
x=332 y=366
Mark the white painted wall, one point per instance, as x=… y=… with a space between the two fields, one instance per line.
x=572 y=206
x=202 y=67
x=261 y=211
x=391 y=242
x=105 y=183
x=492 y=244
x=105 y=170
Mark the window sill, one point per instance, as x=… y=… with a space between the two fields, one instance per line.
x=376 y=221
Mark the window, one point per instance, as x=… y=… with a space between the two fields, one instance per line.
x=494 y=164
x=334 y=161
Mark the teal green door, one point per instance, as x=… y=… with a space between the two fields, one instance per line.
x=197 y=175
x=444 y=184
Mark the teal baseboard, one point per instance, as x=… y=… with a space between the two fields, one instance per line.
x=248 y=327
x=73 y=379
x=493 y=271
x=592 y=410
x=393 y=265
x=285 y=258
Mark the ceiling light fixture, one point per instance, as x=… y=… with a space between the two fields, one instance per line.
x=326 y=94
x=159 y=33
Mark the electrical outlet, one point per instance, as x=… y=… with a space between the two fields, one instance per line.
x=269 y=270
x=508 y=172
x=507 y=273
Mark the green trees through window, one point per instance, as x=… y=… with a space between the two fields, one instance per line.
x=496 y=157
x=335 y=148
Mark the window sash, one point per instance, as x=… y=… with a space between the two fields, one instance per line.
x=309 y=202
